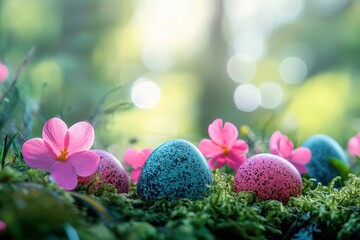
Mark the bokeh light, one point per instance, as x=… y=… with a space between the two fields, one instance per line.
x=300 y=50
x=145 y=93
x=286 y=10
x=241 y=68
x=293 y=70
x=249 y=44
x=328 y=7
x=247 y=97
x=271 y=95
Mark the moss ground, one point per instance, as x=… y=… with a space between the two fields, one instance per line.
x=35 y=208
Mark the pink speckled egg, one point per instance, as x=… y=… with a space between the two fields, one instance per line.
x=269 y=177
x=111 y=171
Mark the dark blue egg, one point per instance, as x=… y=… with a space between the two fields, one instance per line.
x=324 y=148
x=175 y=170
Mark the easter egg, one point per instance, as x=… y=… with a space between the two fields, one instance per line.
x=324 y=148
x=269 y=177
x=111 y=171
x=175 y=170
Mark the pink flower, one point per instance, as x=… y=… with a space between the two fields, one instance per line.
x=63 y=152
x=223 y=146
x=3 y=226
x=354 y=145
x=3 y=72
x=136 y=160
x=280 y=145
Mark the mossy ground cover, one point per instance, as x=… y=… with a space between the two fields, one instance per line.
x=35 y=208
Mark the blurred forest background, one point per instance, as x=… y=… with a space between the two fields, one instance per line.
x=151 y=70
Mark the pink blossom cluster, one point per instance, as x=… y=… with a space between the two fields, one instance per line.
x=224 y=147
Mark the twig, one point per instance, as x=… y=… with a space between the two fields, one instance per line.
x=18 y=130
x=99 y=106
x=17 y=74
x=117 y=107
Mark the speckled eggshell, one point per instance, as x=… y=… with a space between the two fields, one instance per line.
x=175 y=170
x=269 y=177
x=322 y=148
x=111 y=171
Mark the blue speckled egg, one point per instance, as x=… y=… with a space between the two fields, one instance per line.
x=322 y=148
x=175 y=170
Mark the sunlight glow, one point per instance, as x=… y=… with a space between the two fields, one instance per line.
x=181 y=24
x=158 y=58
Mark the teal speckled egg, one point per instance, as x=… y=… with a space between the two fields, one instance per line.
x=175 y=170
x=323 y=148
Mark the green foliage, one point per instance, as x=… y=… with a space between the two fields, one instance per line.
x=342 y=168
x=35 y=208
x=8 y=105
x=320 y=212
x=31 y=212
x=331 y=209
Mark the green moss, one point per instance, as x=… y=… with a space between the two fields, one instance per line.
x=32 y=212
x=35 y=208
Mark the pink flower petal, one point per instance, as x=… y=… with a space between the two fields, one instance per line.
x=135 y=174
x=37 y=155
x=84 y=163
x=64 y=175
x=276 y=152
x=229 y=134
x=301 y=155
x=237 y=155
x=136 y=159
x=216 y=162
x=215 y=131
x=274 y=141
x=354 y=146
x=81 y=137
x=3 y=226
x=240 y=146
x=235 y=160
x=3 y=72
x=285 y=147
x=53 y=133
x=145 y=153
x=301 y=168
x=209 y=149
x=223 y=136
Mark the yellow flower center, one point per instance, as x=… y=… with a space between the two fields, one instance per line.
x=63 y=155
x=225 y=150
